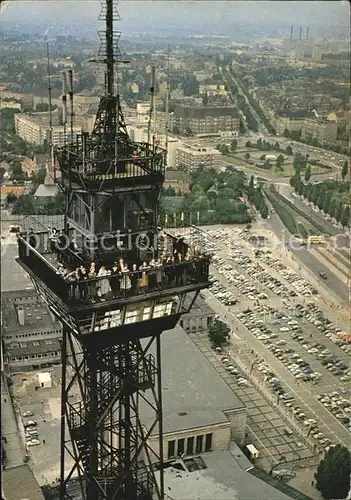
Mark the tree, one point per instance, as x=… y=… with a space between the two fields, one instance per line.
x=344 y=170
x=327 y=201
x=247 y=156
x=248 y=144
x=264 y=211
x=321 y=199
x=286 y=132
x=333 y=473
x=288 y=150
x=218 y=333
x=295 y=180
x=205 y=99
x=345 y=216
x=39 y=176
x=338 y=212
x=11 y=198
x=308 y=173
x=224 y=149
x=233 y=145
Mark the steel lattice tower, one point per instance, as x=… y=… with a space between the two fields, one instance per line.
x=112 y=323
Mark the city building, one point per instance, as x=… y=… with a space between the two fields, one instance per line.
x=212 y=89
x=30 y=332
x=191 y=156
x=35 y=127
x=220 y=475
x=206 y=120
x=200 y=412
x=10 y=104
x=31 y=165
x=283 y=123
x=199 y=318
x=161 y=121
x=178 y=180
x=322 y=130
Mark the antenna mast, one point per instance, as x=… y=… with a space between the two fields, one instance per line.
x=50 y=104
x=167 y=100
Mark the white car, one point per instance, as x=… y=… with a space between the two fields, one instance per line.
x=33 y=442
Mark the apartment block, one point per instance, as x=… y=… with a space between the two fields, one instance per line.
x=321 y=130
x=191 y=156
x=206 y=120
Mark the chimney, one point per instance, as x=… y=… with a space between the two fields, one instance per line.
x=307 y=32
x=20 y=312
x=300 y=35
x=291 y=31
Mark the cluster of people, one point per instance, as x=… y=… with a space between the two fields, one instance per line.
x=102 y=282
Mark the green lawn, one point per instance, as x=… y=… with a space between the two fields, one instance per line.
x=287 y=172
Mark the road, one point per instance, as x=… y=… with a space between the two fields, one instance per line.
x=314 y=265
x=227 y=77
x=287 y=191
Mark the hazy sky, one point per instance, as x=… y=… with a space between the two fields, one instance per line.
x=178 y=12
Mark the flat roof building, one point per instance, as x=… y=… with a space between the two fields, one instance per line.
x=223 y=475
x=200 y=411
x=191 y=156
x=30 y=333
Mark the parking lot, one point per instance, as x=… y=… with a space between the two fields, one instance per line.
x=41 y=416
x=279 y=445
x=305 y=353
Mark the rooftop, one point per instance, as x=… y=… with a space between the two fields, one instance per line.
x=17 y=190
x=202 y=111
x=35 y=311
x=199 y=391
x=43 y=118
x=223 y=478
x=19 y=483
x=33 y=347
x=44 y=191
x=200 y=308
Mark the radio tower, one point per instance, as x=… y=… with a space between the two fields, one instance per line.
x=115 y=292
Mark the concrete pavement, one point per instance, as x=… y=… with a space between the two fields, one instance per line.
x=13 y=445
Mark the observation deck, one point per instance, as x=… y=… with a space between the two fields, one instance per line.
x=123 y=289
x=139 y=164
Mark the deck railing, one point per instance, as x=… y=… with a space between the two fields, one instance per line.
x=119 y=285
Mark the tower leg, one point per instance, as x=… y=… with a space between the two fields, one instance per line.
x=110 y=447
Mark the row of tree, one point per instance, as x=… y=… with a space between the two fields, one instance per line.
x=326 y=196
x=263 y=145
x=256 y=198
x=25 y=205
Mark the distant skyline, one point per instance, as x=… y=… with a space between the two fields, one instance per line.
x=149 y=14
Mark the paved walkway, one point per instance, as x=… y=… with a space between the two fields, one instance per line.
x=13 y=445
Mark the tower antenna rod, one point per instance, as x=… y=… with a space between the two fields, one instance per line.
x=152 y=90
x=50 y=104
x=64 y=104
x=167 y=99
x=70 y=93
x=153 y=109
x=109 y=48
